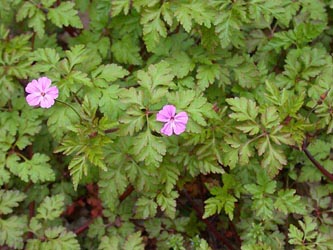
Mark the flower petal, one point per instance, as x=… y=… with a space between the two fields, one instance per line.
x=44 y=83
x=167 y=129
x=181 y=117
x=162 y=117
x=166 y=113
x=32 y=87
x=179 y=128
x=46 y=102
x=33 y=99
x=52 y=92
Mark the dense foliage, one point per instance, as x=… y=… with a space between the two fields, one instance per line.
x=253 y=169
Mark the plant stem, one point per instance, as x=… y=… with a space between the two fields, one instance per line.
x=83 y=228
x=70 y=106
x=127 y=192
x=318 y=165
x=314 y=161
x=22 y=156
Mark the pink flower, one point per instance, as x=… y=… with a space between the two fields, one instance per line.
x=173 y=123
x=40 y=93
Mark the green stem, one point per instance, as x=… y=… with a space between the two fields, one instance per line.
x=70 y=106
x=22 y=156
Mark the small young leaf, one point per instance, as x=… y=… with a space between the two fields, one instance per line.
x=37 y=169
x=60 y=238
x=134 y=242
x=145 y=208
x=51 y=207
x=244 y=109
x=168 y=203
x=10 y=199
x=12 y=230
x=65 y=15
x=288 y=202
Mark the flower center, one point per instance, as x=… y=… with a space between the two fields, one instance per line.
x=42 y=93
x=172 y=118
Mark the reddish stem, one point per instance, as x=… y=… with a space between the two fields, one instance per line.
x=83 y=228
x=127 y=192
x=111 y=130
x=318 y=165
x=314 y=161
x=31 y=214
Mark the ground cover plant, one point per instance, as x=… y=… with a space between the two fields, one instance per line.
x=166 y=124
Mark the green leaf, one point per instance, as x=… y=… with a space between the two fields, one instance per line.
x=288 y=202
x=168 y=176
x=76 y=55
x=215 y=205
x=249 y=127
x=132 y=122
x=240 y=148
x=10 y=199
x=119 y=6
x=207 y=74
x=182 y=99
x=58 y=238
x=283 y=10
x=12 y=230
x=244 y=109
x=115 y=180
x=315 y=10
x=109 y=243
x=60 y=120
x=35 y=15
x=109 y=73
x=230 y=156
x=199 y=109
x=263 y=208
x=308 y=232
x=48 y=3
x=134 y=242
x=157 y=75
x=197 y=10
x=246 y=72
x=295 y=235
x=149 y=148
x=167 y=202
x=51 y=207
x=96 y=229
x=270 y=118
x=145 y=208
x=126 y=50
x=78 y=167
x=37 y=22
x=65 y=15
x=181 y=64
x=26 y=10
x=109 y=103
x=281 y=40
x=224 y=197
x=300 y=36
x=36 y=170
x=153 y=27
x=4 y=174
x=228 y=24
x=273 y=94
x=274 y=158
x=265 y=186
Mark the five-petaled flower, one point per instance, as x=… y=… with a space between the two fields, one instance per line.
x=174 y=123
x=40 y=93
